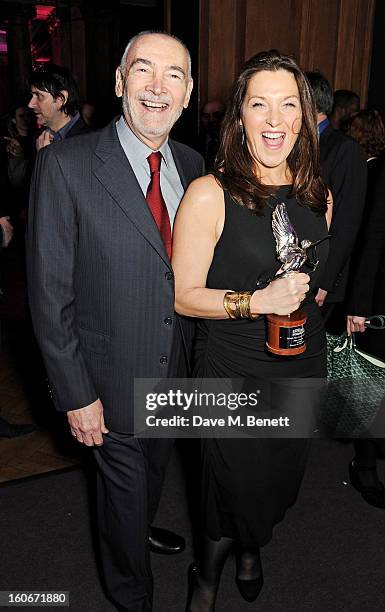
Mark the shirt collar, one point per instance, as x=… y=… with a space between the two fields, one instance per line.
x=134 y=147
x=62 y=133
x=323 y=125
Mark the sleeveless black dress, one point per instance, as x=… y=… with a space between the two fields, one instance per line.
x=248 y=484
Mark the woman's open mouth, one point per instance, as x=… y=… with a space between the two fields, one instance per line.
x=273 y=140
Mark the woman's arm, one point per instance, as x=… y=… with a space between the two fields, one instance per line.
x=198 y=226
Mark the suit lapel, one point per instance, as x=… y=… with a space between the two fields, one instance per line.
x=182 y=164
x=112 y=169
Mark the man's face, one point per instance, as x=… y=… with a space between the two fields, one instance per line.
x=46 y=108
x=212 y=115
x=155 y=88
x=23 y=119
x=352 y=109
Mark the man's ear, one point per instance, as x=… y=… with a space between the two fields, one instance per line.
x=64 y=97
x=188 y=93
x=118 y=83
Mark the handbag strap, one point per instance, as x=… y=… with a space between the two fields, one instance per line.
x=375 y=322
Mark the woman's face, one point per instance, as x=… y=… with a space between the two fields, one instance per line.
x=272 y=118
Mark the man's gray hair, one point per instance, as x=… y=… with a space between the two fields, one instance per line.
x=133 y=40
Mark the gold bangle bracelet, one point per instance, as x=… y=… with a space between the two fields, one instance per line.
x=244 y=304
x=237 y=305
x=252 y=316
x=230 y=298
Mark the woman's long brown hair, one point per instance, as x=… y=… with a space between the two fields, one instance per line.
x=235 y=167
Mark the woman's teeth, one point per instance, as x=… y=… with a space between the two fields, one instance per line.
x=273 y=135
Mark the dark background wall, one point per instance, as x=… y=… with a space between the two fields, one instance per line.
x=376 y=93
x=334 y=36
x=89 y=36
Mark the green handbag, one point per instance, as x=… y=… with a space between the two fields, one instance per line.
x=355 y=391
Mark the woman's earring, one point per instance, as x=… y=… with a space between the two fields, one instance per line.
x=243 y=133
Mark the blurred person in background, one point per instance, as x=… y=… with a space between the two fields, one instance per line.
x=88 y=113
x=10 y=430
x=55 y=102
x=211 y=120
x=19 y=152
x=343 y=168
x=345 y=104
x=6 y=231
x=366 y=287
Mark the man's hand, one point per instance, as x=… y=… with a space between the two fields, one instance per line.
x=7 y=230
x=321 y=297
x=87 y=424
x=13 y=147
x=355 y=324
x=44 y=140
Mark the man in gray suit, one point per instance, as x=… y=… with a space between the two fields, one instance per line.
x=101 y=291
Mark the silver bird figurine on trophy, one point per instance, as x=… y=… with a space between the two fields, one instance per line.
x=286 y=333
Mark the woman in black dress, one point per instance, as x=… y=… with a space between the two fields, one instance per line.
x=223 y=242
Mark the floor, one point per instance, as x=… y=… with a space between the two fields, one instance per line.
x=32 y=454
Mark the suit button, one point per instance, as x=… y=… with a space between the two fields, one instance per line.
x=163 y=359
x=168 y=321
x=169 y=275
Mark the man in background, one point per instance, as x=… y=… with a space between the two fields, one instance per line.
x=343 y=168
x=345 y=104
x=211 y=120
x=55 y=102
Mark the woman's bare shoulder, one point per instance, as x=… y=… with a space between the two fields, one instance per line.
x=205 y=189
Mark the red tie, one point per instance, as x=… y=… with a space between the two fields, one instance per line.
x=156 y=202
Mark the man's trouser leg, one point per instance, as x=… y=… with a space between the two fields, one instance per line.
x=122 y=492
x=158 y=452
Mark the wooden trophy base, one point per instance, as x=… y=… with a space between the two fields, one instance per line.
x=286 y=333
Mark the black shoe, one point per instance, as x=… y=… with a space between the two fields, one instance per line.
x=9 y=430
x=372 y=494
x=250 y=588
x=192 y=576
x=206 y=605
x=165 y=542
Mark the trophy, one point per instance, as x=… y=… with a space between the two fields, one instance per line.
x=286 y=333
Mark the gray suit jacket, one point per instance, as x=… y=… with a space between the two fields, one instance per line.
x=101 y=287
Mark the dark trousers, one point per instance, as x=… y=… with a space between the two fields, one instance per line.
x=130 y=475
x=334 y=316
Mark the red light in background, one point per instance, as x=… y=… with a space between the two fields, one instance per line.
x=3 y=41
x=43 y=12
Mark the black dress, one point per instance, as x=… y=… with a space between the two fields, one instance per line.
x=248 y=483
